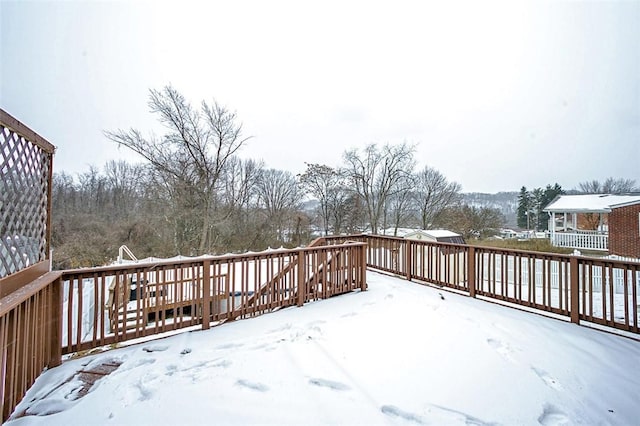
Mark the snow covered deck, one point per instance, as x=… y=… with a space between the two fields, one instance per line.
x=589 y=291
x=399 y=353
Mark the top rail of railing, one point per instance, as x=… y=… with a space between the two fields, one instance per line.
x=10 y=122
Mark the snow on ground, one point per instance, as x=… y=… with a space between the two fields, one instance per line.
x=400 y=353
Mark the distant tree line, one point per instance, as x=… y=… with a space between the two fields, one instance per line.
x=378 y=189
x=194 y=194
x=608 y=186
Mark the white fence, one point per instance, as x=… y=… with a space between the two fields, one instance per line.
x=586 y=241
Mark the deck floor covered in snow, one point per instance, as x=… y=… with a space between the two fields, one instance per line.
x=399 y=353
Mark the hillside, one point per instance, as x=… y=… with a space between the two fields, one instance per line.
x=506 y=202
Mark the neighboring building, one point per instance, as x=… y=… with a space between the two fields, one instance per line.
x=508 y=234
x=438 y=235
x=624 y=230
x=596 y=222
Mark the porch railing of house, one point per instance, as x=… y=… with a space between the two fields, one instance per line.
x=591 y=290
x=29 y=292
x=584 y=240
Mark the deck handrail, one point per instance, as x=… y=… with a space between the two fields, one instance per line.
x=585 y=289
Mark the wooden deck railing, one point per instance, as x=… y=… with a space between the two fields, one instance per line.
x=70 y=311
x=107 y=305
x=598 y=291
x=29 y=337
x=76 y=310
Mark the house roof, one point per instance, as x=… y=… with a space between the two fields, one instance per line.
x=440 y=233
x=433 y=233
x=590 y=203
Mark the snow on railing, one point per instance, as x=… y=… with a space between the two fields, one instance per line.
x=107 y=305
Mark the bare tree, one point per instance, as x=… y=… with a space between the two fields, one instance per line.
x=343 y=205
x=239 y=227
x=64 y=194
x=93 y=190
x=400 y=206
x=609 y=186
x=240 y=180
x=327 y=185
x=279 y=195
x=434 y=194
x=474 y=222
x=124 y=181
x=189 y=160
x=378 y=173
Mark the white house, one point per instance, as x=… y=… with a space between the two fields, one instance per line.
x=604 y=222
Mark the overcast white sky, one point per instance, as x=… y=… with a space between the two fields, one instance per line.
x=496 y=95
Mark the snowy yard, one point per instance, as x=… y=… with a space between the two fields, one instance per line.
x=399 y=353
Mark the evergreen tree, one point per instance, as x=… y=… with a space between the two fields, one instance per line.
x=532 y=203
x=524 y=207
x=549 y=194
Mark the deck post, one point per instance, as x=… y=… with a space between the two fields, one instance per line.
x=574 y=288
x=471 y=271
x=301 y=281
x=363 y=266
x=55 y=354
x=408 y=254
x=206 y=294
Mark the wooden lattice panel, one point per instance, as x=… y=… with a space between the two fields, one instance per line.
x=24 y=184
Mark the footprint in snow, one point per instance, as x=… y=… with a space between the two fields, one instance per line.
x=223 y=363
x=437 y=414
x=393 y=411
x=185 y=351
x=256 y=386
x=333 y=385
x=136 y=363
x=503 y=349
x=155 y=348
x=553 y=416
x=285 y=327
x=260 y=346
x=549 y=380
x=171 y=368
x=350 y=314
x=229 y=346
x=146 y=392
